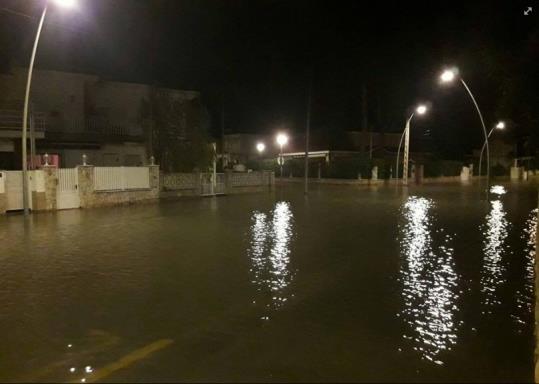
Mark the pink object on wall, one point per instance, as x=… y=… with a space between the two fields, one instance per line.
x=39 y=161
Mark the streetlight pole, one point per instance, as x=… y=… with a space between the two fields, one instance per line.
x=281 y=159
x=500 y=125
x=406 y=150
x=448 y=76
x=484 y=130
x=25 y=196
x=307 y=132
x=421 y=109
x=399 y=155
x=282 y=139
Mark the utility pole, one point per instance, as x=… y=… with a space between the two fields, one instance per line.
x=406 y=150
x=364 y=117
x=223 y=124
x=32 y=138
x=307 y=132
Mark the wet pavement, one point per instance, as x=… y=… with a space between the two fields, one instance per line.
x=350 y=284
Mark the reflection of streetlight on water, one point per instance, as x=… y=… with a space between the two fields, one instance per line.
x=282 y=139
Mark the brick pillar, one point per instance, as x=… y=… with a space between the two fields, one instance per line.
x=155 y=180
x=2 y=193
x=50 y=175
x=86 y=185
x=228 y=181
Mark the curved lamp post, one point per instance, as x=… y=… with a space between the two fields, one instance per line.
x=500 y=126
x=282 y=139
x=447 y=77
x=420 y=110
x=63 y=3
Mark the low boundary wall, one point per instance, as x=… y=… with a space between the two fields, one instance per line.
x=90 y=197
x=190 y=184
x=426 y=180
x=2 y=193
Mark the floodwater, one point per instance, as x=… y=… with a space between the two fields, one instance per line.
x=349 y=284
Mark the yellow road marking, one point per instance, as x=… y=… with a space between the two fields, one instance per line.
x=107 y=341
x=127 y=360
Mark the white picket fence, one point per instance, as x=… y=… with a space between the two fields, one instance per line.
x=121 y=178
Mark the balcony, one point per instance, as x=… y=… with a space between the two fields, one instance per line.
x=93 y=130
x=11 y=123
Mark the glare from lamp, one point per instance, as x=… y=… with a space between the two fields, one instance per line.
x=500 y=125
x=282 y=139
x=421 y=109
x=260 y=147
x=447 y=76
x=65 y=3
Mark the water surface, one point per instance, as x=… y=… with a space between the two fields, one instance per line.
x=350 y=284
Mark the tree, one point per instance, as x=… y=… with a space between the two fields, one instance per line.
x=177 y=131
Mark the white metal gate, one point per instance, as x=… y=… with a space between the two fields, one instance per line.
x=67 y=192
x=211 y=188
x=14 y=190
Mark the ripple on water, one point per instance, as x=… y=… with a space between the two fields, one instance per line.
x=493 y=273
x=269 y=252
x=429 y=282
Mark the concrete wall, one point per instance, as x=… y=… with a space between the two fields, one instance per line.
x=2 y=193
x=44 y=185
x=180 y=184
x=188 y=184
x=427 y=180
x=537 y=301
x=89 y=198
x=249 y=182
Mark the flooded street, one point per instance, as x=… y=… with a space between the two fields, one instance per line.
x=349 y=284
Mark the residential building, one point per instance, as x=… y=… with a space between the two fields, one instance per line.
x=74 y=114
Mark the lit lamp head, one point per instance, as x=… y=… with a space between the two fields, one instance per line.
x=448 y=76
x=421 y=109
x=500 y=125
x=282 y=139
x=65 y=3
x=260 y=147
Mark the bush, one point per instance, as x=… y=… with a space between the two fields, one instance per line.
x=436 y=168
x=499 y=170
x=348 y=168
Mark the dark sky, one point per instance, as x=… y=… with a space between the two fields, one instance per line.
x=256 y=56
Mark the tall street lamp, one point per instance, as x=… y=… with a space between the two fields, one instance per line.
x=501 y=127
x=62 y=3
x=450 y=75
x=420 y=110
x=282 y=139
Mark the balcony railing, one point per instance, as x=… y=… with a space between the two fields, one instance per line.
x=11 y=119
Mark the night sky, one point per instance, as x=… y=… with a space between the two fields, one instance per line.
x=256 y=57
